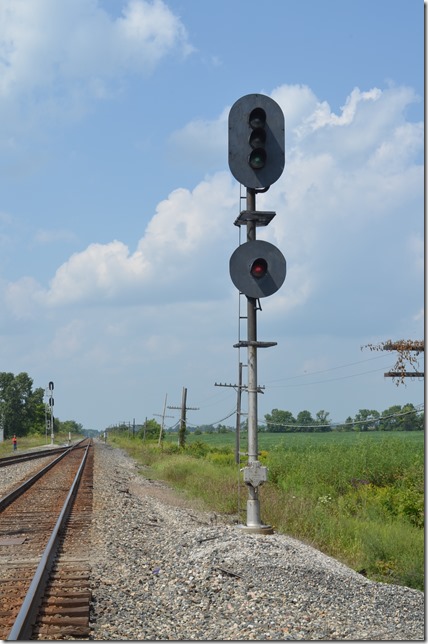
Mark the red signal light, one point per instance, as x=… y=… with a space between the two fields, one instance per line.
x=259 y=268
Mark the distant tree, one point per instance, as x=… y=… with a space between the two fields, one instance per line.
x=150 y=429
x=421 y=422
x=389 y=419
x=223 y=429
x=410 y=420
x=71 y=426
x=280 y=421
x=304 y=421
x=206 y=429
x=20 y=406
x=366 y=420
x=244 y=425
x=321 y=419
x=347 y=426
x=38 y=412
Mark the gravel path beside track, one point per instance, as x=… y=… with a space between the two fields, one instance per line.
x=11 y=475
x=165 y=571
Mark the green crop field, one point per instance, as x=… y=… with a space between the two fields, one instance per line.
x=357 y=496
x=268 y=441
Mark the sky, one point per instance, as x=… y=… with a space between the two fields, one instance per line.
x=117 y=205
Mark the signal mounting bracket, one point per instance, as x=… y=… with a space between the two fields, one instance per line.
x=259 y=217
x=254 y=343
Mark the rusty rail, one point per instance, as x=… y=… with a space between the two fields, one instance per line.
x=24 y=622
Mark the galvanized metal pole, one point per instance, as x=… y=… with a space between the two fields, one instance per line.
x=52 y=426
x=252 y=349
x=254 y=475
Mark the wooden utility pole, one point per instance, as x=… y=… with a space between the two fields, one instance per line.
x=184 y=408
x=163 y=416
x=408 y=351
x=239 y=388
x=404 y=348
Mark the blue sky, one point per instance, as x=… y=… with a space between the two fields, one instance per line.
x=117 y=204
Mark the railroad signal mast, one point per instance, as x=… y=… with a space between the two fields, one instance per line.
x=257 y=268
x=49 y=412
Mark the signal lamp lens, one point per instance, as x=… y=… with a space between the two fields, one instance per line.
x=259 y=268
x=257 y=118
x=257 y=159
x=257 y=138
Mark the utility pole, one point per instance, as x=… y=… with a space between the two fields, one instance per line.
x=239 y=389
x=184 y=408
x=163 y=416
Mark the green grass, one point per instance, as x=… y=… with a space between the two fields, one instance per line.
x=33 y=440
x=358 y=497
x=24 y=443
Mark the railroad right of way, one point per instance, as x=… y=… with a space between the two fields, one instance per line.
x=158 y=568
x=163 y=570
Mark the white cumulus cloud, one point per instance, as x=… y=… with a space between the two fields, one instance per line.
x=60 y=54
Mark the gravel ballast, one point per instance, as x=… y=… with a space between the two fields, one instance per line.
x=162 y=570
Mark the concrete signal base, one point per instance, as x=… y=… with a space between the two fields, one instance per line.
x=256 y=529
x=254 y=524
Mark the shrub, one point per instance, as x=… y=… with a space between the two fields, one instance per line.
x=220 y=458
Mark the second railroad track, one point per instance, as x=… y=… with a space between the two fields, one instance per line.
x=44 y=543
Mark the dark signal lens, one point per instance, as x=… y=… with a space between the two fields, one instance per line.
x=257 y=139
x=257 y=118
x=257 y=159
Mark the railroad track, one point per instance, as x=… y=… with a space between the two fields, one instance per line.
x=28 y=456
x=44 y=545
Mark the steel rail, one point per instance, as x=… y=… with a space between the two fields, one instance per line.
x=12 y=460
x=9 y=498
x=24 y=623
x=28 y=456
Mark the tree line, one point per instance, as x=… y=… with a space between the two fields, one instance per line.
x=23 y=410
x=395 y=418
x=405 y=418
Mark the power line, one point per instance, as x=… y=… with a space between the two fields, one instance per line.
x=216 y=421
x=320 y=382
x=314 y=373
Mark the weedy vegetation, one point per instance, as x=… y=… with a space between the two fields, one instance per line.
x=358 y=497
